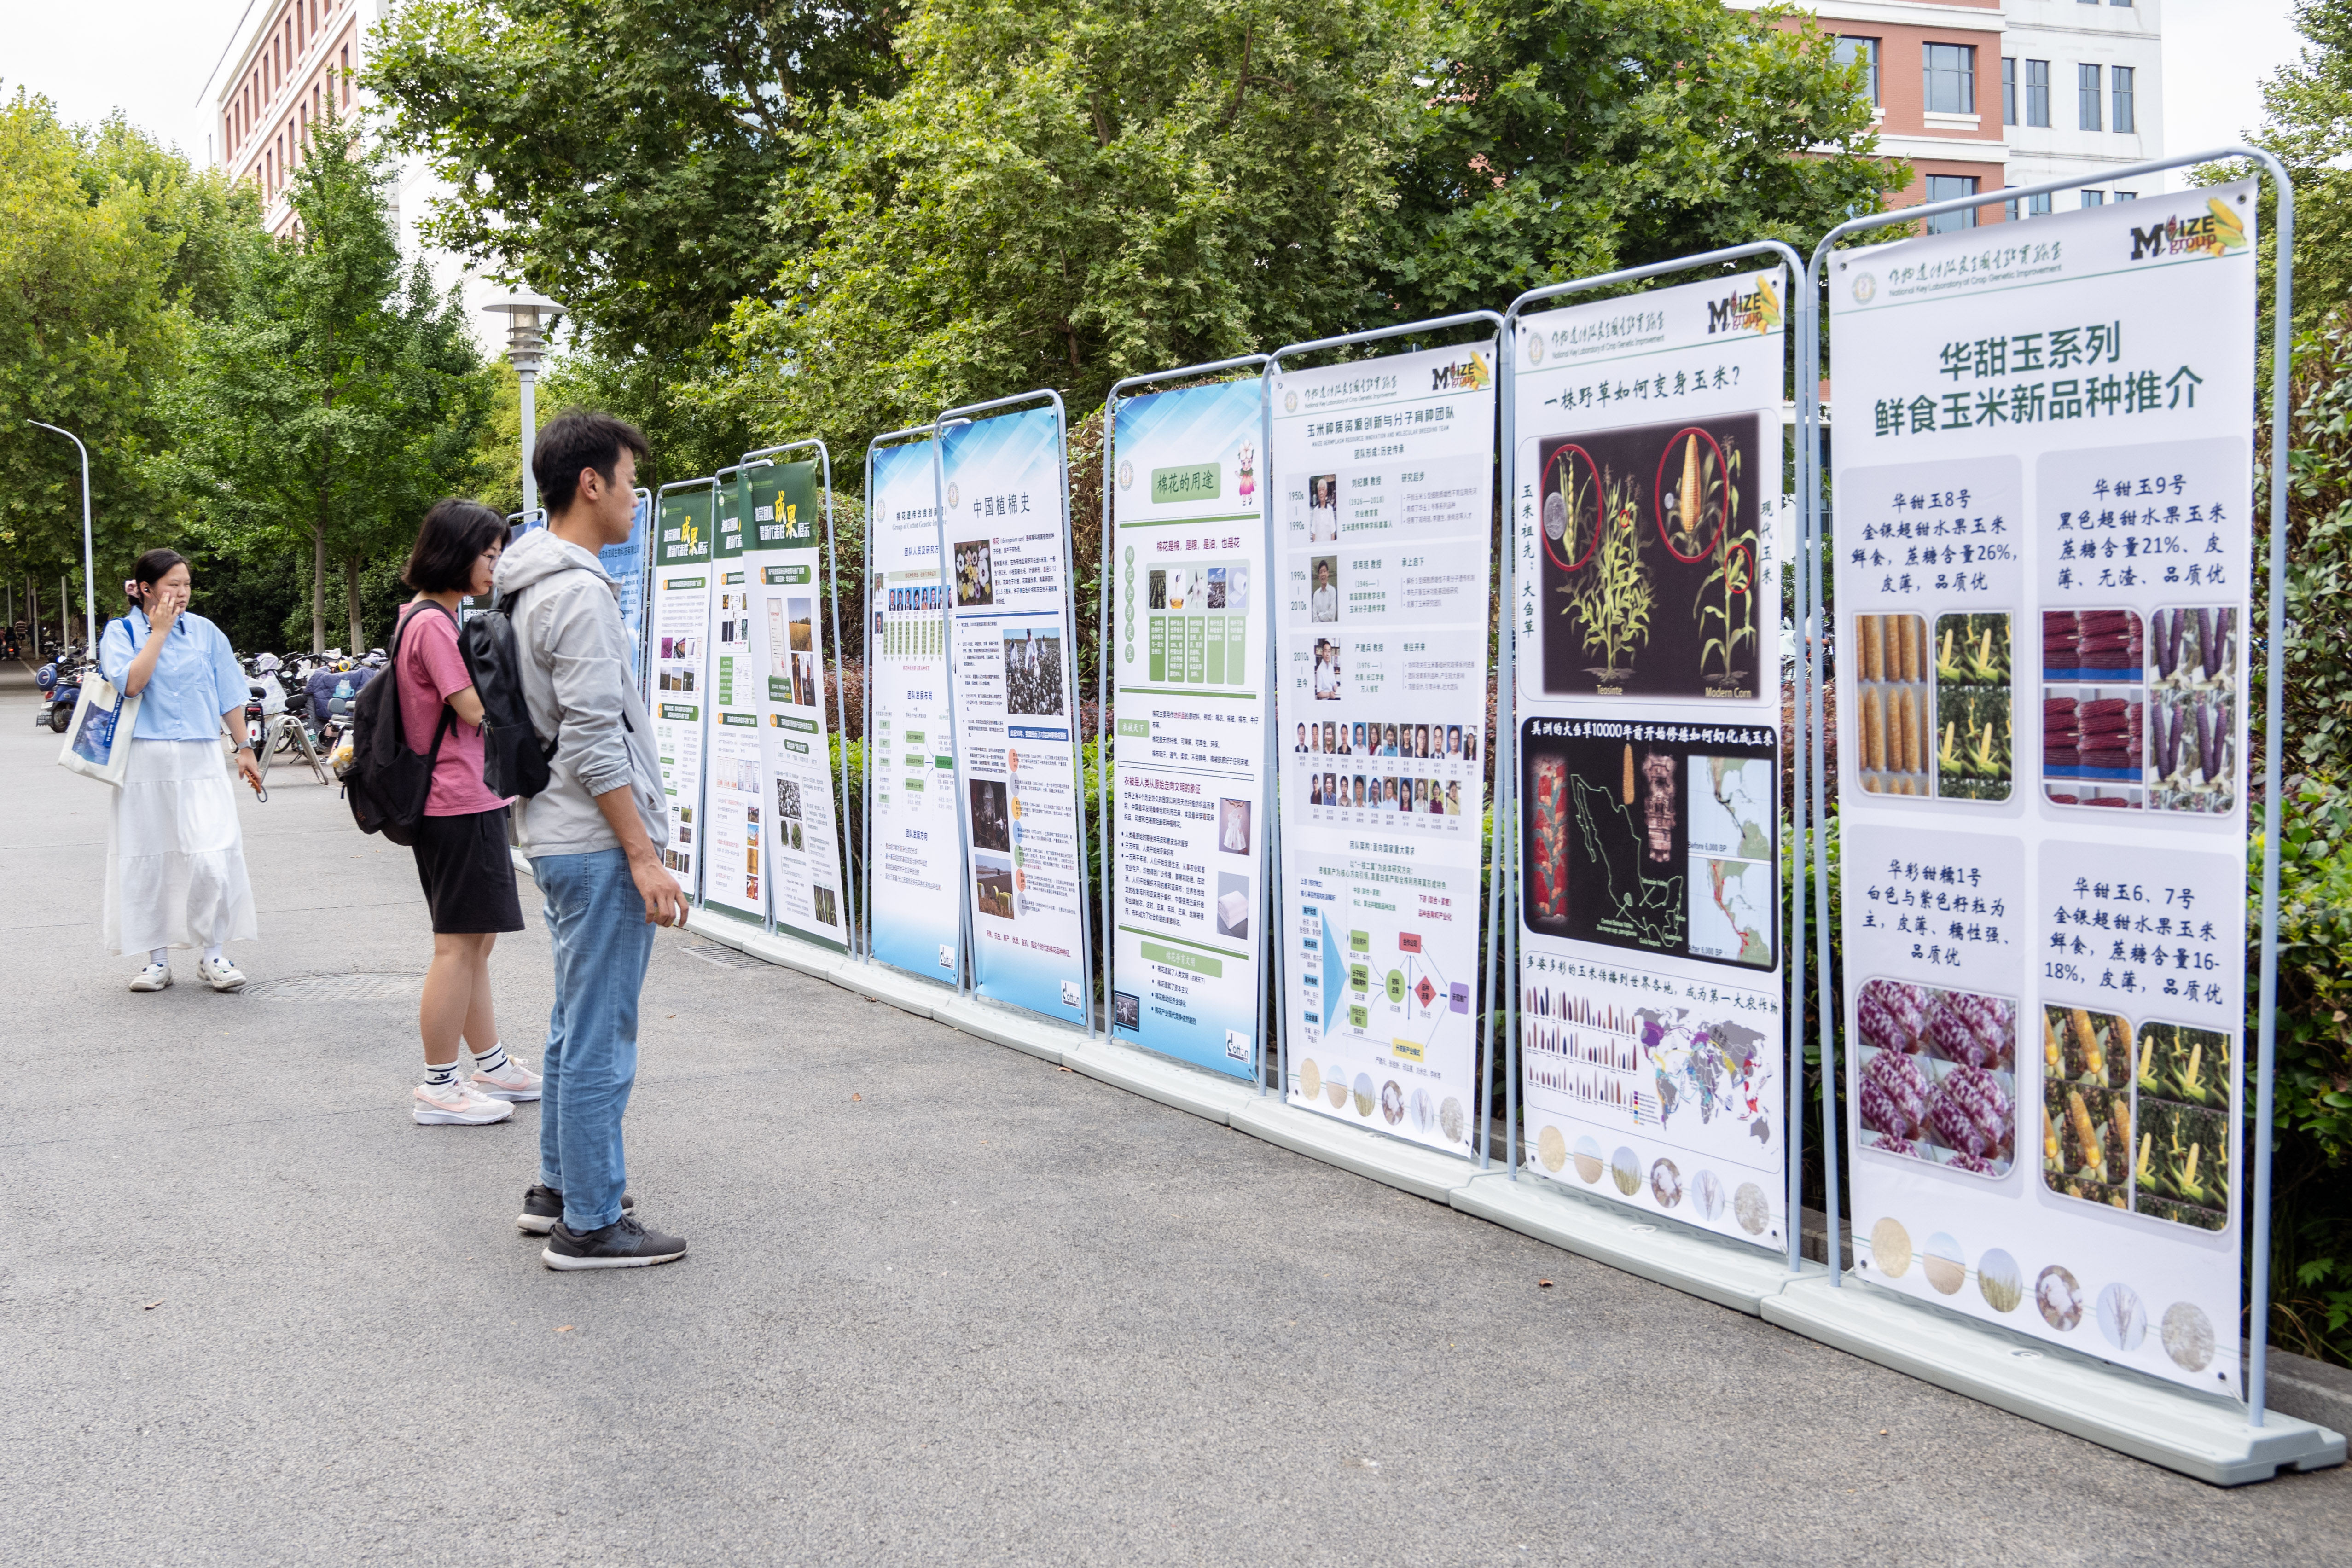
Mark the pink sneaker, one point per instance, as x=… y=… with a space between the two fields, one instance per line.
x=512 y=1081
x=457 y=1104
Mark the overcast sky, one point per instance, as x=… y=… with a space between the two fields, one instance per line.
x=151 y=57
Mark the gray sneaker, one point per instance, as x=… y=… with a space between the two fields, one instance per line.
x=624 y=1244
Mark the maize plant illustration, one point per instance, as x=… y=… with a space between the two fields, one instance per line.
x=1697 y=510
x=1611 y=593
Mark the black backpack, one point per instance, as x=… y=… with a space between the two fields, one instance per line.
x=386 y=783
x=514 y=762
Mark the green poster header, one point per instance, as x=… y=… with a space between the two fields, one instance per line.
x=781 y=505
x=684 y=530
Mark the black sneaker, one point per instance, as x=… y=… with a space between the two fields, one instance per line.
x=624 y=1244
x=543 y=1206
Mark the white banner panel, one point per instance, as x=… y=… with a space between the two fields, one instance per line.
x=1384 y=474
x=916 y=873
x=1189 y=547
x=783 y=558
x=1006 y=535
x=681 y=642
x=1647 y=601
x=733 y=786
x=2043 y=486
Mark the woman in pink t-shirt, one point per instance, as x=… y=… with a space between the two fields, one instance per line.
x=461 y=840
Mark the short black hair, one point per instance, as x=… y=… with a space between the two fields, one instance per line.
x=452 y=535
x=576 y=439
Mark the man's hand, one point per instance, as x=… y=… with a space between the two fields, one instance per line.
x=665 y=899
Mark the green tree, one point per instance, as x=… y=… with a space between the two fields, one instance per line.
x=2307 y=126
x=614 y=152
x=1067 y=193
x=338 y=400
x=110 y=245
x=1562 y=137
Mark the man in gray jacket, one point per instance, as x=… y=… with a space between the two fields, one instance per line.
x=594 y=837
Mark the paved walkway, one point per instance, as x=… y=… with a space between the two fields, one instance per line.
x=945 y=1304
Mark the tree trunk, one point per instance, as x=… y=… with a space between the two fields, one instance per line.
x=318 y=588
x=352 y=603
x=32 y=619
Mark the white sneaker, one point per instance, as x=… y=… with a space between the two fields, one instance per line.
x=512 y=1081
x=457 y=1103
x=220 y=974
x=154 y=977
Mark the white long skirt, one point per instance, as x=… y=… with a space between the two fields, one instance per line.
x=174 y=852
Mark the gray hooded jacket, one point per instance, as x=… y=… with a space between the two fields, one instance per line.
x=575 y=677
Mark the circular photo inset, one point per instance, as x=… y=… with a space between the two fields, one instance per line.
x=1335 y=1089
x=1551 y=1149
x=1452 y=1123
x=1365 y=1097
x=1625 y=1170
x=1393 y=1102
x=2059 y=1296
x=1747 y=1205
x=2187 y=1336
x=1998 y=1280
x=1665 y=1183
x=1706 y=1196
x=1587 y=1159
x=1424 y=1112
x=1944 y=1264
x=1310 y=1080
x=2123 y=1322
x=1890 y=1248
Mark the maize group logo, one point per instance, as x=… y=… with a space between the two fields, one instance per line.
x=2216 y=232
x=1470 y=375
x=1758 y=310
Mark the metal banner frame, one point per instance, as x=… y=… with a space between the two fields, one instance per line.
x=1508 y=906
x=702 y=764
x=1103 y=690
x=766 y=456
x=1483 y=1097
x=893 y=437
x=2257 y=1342
x=968 y=978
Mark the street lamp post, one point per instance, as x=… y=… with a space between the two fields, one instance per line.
x=529 y=317
x=89 y=556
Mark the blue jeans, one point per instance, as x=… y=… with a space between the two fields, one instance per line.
x=596 y=920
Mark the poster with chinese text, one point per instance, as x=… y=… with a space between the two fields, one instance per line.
x=1188 y=550
x=732 y=787
x=681 y=638
x=1384 y=478
x=1653 y=1067
x=2044 y=485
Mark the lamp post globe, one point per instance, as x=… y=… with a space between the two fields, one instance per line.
x=529 y=318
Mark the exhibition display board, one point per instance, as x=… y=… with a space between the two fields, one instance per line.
x=1188 y=664
x=1383 y=472
x=733 y=788
x=628 y=563
x=1004 y=532
x=680 y=638
x=784 y=569
x=914 y=872
x=1645 y=594
x=2044 y=491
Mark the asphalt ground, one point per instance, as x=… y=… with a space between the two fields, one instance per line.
x=944 y=1303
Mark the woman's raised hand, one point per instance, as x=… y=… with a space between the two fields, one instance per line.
x=164 y=603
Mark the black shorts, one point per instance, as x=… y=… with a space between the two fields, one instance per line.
x=468 y=873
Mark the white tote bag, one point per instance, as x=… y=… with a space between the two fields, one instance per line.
x=98 y=742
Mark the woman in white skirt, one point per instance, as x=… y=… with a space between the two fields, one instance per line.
x=174 y=852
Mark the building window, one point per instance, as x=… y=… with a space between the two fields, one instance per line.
x=1947 y=188
x=2126 y=196
x=2121 y=79
x=2032 y=206
x=2037 y=92
x=1952 y=79
x=2094 y=198
x=2086 y=94
x=2008 y=90
x=1864 y=52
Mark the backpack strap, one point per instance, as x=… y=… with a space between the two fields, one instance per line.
x=391 y=672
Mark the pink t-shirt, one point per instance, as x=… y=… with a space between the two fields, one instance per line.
x=431 y=668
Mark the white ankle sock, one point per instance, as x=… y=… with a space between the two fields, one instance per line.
x=440 y=1076
x=161 y=955
x=213 y=952
x=490 y=1060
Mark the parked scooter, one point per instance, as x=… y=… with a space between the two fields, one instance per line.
x=61 y=684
